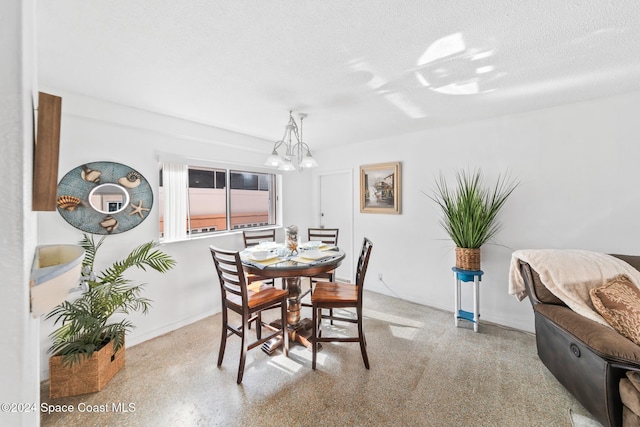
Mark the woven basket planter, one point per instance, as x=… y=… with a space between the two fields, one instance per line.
x=468 y=259
x=88 y=376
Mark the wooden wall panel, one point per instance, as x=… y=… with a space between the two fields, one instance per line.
x=46 y=152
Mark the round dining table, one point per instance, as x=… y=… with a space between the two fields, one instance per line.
x=292 y=268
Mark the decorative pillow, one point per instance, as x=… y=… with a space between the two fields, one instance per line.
x=618 y=302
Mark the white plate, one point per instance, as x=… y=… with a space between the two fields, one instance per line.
x=315 y=254
x=254 y=257
x=313 y=244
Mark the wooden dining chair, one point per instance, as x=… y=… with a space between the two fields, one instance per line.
x=254 y=238
x=325 y=235
x=330 y=295
x=248 y=301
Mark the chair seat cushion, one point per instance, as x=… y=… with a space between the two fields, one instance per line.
x=331 y=292
x=259 y=295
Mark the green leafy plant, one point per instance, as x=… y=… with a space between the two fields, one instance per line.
x=470 y=210
x=86 y=323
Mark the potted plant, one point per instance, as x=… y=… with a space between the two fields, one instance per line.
x=470 y=212
x=93 y=327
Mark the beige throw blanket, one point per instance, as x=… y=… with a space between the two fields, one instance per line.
x=569 y=275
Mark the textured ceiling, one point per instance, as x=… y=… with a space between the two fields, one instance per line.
x=360 y=69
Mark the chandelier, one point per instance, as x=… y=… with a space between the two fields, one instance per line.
x=297 y=154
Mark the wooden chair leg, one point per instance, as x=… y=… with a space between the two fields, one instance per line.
x=243 y=348
x=332 y=278
x=223 y=337
x=258 y=326
x=314 y=336
x=363 y=341
x=319 y=322
x=285 y=331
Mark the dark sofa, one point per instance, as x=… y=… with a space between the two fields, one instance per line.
x=588 y=358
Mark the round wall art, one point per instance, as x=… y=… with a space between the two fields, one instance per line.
x=104 y=198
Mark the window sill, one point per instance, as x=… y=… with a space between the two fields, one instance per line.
x=216 y=234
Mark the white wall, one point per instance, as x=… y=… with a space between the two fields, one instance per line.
x=578 y=167
x=19 y=357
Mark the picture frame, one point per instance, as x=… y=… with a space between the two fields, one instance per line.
x=380 y=188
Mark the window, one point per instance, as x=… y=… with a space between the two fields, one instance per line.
x=209 y=204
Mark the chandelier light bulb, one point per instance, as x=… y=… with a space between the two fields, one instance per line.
x=287 y=166
x=308 y=161
x=274 y=159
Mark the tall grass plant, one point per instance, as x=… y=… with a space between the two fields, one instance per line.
x=470 y=209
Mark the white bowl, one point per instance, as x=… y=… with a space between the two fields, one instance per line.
x=261 y=255
x=267 y=245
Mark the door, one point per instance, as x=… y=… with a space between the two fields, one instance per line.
x=336 y=211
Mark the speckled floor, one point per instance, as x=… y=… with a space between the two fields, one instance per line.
x=424 y=372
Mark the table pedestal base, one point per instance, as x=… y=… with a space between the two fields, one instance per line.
x=299 y=329
x=300 y=334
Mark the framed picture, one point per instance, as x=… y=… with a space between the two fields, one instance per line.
x=380 y=188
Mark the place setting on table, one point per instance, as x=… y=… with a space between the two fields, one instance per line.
x=291 y=261
x=309 y=253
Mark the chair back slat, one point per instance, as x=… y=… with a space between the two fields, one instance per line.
x=254 y=237
x=325 y=235
x=230 y=273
